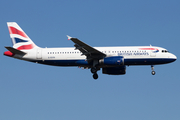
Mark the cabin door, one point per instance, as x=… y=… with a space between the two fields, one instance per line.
x=39 y=54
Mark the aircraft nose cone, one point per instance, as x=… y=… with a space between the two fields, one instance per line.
x=173 y=57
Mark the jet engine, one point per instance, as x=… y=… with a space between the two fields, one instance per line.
x=115 y=60
x=121 y=70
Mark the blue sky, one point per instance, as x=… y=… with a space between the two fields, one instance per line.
x=32 y=91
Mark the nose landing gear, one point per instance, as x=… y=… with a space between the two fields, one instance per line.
x=152 y=68
x=153 y=72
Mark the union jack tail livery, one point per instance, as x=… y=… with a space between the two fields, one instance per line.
x=19 y=38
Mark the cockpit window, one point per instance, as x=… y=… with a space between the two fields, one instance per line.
x=165 y=51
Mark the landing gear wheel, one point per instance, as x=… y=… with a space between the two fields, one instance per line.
x=153 y=72
x=95 y=76
x=152 y=68
x=93 y=70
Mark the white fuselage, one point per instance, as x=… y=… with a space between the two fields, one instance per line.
x=138 y=55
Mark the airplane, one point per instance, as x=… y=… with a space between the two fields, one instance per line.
x=112 y=60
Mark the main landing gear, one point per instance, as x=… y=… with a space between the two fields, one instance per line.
x=95 y=76
x=152 y=68
x=94 y=71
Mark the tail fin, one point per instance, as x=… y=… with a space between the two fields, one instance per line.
x=19 y=38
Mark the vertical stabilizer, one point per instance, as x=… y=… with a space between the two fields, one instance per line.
x=19 y=38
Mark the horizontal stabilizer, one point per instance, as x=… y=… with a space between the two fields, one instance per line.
x=15 y=51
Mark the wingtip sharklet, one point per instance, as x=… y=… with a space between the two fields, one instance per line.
x=69 y=37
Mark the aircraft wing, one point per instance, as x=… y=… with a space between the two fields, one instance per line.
x=90 y=52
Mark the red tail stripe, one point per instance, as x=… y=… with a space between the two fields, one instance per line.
x=25 y=47
x=13 y=30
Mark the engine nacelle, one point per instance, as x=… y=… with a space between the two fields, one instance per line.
x=115 y=60
x=114 y=70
